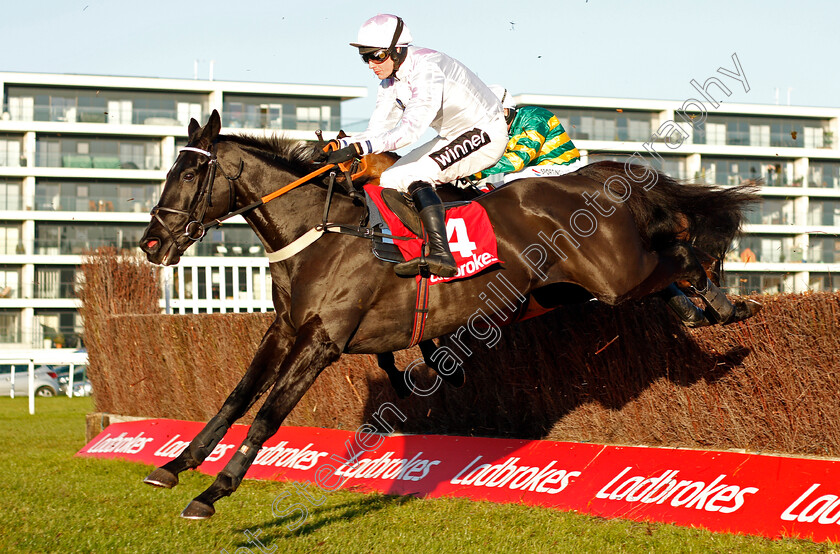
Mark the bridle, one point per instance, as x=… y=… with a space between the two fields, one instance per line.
x=195 y=228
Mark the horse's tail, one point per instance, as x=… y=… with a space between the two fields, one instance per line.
x=706 y=216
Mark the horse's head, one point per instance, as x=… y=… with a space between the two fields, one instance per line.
x=189 y=199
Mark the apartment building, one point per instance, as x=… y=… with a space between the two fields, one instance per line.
x=83 y=158
x=792 y=239
x=82 y=162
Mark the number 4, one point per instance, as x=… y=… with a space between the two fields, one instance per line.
x=459 y=240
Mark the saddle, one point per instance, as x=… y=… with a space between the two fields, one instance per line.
x=402 y=208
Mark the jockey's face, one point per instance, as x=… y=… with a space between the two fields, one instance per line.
x=382 y=69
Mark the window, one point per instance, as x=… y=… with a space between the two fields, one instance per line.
x=737 y=133
x=755 y=283
x=10 y=197
x=823 y=212
x=762 y=131
x=50 y=324
x=55 y=282
x=673 y=167
x=228 y=241
x=95 y=196
x=768 y=249
x=734 y=171
x=9 y=282
x=822 y=249
x=280 y=112
x=98 y=153
x=824 y=174
x=823 y=282
x=813 y=137
x=22 y=108
x=79 y=238
x=772 y=211
x=121 y=107
x=605 y=124
x=759 y=135
x=9 y=327
x=10 y=151
x=10 y=243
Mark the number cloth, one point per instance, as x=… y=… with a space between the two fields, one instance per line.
x=468 y=230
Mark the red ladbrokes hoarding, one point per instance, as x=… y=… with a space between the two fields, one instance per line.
x=772 y=496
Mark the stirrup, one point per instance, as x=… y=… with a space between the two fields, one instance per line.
x=431 y=264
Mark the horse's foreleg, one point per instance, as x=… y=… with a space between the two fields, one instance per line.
x=260 y=375
x=719 y=308
x=456 y=377
x=386 y=362
x=312 y=352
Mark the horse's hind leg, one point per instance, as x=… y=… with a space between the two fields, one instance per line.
x=259 y=376
x=312 y=352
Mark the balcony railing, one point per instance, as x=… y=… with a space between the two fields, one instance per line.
x=56 y=247
x=84 y=161
x=105 y=203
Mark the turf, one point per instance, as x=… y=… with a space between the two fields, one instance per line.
x=51 y=501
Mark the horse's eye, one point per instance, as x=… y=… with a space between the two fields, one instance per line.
x=189 y=176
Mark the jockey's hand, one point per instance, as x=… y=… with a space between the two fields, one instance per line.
x=344 y=154
x=320 y=153
x=332 y=145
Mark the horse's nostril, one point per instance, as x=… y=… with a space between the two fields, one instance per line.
x=151 y=243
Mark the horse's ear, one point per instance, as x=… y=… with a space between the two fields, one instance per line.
x=341 y=134
x=194 y=126
x=214 y=125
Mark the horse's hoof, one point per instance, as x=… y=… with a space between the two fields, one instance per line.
x=162 y=478
x=198 y=510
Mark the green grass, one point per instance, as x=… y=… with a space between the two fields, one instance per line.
x=51 y=501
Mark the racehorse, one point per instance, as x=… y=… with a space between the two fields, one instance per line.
x=334 y=297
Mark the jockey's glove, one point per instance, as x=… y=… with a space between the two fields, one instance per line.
x=319 y=154
x=344 y=154
x=331 y=145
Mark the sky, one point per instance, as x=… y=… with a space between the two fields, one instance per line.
x=642 y=49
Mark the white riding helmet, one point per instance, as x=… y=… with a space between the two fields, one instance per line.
x=379 y=32
x=504 y=96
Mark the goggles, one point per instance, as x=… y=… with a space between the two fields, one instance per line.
x=381 y=54
x=377 y=56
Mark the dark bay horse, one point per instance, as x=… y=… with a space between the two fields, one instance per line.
x=334 y=297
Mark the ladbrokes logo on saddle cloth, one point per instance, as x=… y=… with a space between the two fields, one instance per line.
x=468 y=230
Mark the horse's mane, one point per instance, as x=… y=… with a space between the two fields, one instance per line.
x=277 y=150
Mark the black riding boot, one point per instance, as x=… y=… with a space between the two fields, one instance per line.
x=717 y=303
x=431 y=210
x=689 y=314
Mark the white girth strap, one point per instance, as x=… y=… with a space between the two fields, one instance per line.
x=296 y=246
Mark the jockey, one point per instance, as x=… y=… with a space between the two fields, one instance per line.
x=420 y=88
x=538 y=144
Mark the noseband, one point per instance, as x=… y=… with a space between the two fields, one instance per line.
x=195 y=229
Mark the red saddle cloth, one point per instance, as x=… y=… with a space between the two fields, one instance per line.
x=468 y=230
